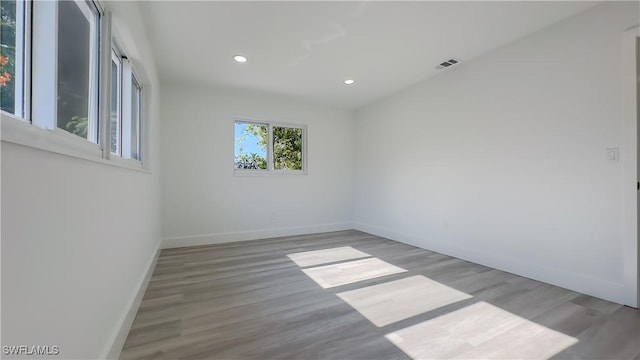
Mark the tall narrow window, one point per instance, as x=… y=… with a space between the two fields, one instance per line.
x=13 y=40
x=116 y=103
x=126 y=108
x=136 y=117
x=78 y=53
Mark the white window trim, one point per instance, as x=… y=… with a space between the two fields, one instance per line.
x=22 y=105
x=135 y=82
x=126 y=83
x=126 y=74
x=117 y=58
x=44 y=66
x=96 y=64
x=126 y=105
x=270 y=171
x=16 y=131
x=37 y=127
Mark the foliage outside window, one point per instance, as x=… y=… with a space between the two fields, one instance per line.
x=251 y=146
x=268 y=147
x=12 y=39
x=77 y=68
x=287 y=148
x=51 y=68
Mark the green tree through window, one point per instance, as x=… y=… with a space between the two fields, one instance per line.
x=7 y=55
x=252 y=141
x=287 y=148
x=251 y=146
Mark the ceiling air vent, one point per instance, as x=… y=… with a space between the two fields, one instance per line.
x=448 y=63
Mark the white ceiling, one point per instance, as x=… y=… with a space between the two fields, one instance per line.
x=306 y=49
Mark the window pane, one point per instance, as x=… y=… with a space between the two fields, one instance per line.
x=287 y=148
x=11 y=40
x=115 y=106
x=251 y=146
x=136 y=106
x=76 y=43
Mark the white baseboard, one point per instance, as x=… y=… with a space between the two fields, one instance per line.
x=560 y=277
x=220 y=238
x=117 y=340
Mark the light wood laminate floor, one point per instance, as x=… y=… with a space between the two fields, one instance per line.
x=251 y=300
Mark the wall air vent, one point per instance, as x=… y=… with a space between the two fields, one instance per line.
x=448 y=63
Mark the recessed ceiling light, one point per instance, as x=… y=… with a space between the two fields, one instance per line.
x=349 y=82
x=240 y=58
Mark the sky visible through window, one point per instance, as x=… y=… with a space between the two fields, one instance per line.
x=247 y=143
x=252 y=139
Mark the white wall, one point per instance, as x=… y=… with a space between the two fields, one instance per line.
x=78 y=235
x=203 y=202
x=502 y=160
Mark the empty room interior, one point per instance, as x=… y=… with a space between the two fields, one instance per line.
x=319 y=180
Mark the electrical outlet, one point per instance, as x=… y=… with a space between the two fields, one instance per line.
x=613 y=154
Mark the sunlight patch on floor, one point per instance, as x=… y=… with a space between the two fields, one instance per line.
x=384 y=304
x=325 y=256
x=351 y=272
x=480 y=331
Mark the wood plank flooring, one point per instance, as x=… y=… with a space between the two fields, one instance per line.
x=249 y=300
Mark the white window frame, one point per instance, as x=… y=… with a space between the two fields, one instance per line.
x=270 y=170
x=116 y=57
x=22 y=69
x=129 y=79
x=36 y=126
x=23 y=60
x=43 y=86
x=89 y=9
x=92 y=9
x=135 y=83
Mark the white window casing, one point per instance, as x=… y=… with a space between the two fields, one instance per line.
x=34 y=123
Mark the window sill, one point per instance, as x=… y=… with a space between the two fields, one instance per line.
x=263 y=173
x=132 y=164
x=17 y=131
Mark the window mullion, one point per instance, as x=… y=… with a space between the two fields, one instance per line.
x=45 y=64
x=270 y=166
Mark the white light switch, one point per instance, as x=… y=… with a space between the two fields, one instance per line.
x=612 y=154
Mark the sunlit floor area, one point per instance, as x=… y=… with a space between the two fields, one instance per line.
x=351 y=295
